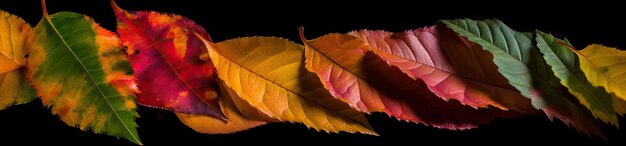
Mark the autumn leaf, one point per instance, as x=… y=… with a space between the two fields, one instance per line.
x=15 y=38
x=82 y=74
x=234 y=108
x=450 y=67
x=268 y=74
x=564 y=63
x=356 y=76
x=604 y=67
x=165 y=57
x=522 y=64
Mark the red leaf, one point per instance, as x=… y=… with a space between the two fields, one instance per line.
x=165 y=57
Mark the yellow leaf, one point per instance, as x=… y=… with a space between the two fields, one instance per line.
x=269 y=74
x=15 y=37
x=604 y=66
x=234 y=110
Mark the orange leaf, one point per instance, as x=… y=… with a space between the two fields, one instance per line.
x=241 y=116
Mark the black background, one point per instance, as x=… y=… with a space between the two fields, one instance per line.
x=582 y=24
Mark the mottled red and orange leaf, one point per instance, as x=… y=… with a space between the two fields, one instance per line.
x=165 y=57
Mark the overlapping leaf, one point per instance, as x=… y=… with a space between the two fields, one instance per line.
x=451 y=68
x=82 y=74
x=15 y=38
x=165 y=56
x=564 y=63
x=268 y=74
x=355 y=75
x=604 y=66
x=522 y=64
x=241 y=116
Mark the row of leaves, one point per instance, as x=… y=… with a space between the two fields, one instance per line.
x=458 y=74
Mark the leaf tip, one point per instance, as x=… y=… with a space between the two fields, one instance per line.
x=115 y=7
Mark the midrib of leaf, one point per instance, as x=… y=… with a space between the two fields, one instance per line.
x=47 y=17
x=300 y=95
x=11 y=41
x=8 y=21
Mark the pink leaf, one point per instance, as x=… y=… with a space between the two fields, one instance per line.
x=454 y=70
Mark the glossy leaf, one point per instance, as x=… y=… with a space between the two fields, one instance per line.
x=523 y=65
x=165 y=57
x=604 y=66
x=564 y=63
x=268 y=73
x=82 y=74
x=356 y=76
x=15 y=38
x=450 y=68
x=234 y=108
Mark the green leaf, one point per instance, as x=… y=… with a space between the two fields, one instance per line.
x=80 y=72
x=522 y=64
x=564 y=62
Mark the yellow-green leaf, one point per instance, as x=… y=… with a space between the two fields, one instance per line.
x=563 y=60
x=269 y=74
x=81 y=72
x=605 y=66
x=15 y=37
